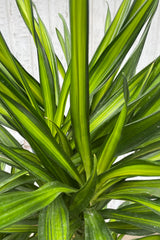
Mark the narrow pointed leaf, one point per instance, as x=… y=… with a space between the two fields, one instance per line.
x=59 y=116
x=32 y=167
x=50 y=53
x=106 y=157
x=127 y=229
x=148 y=221
x=40 y=31
x=14 y=181
x=112 y=31
x=41 y=134
x=105 y=65
x=67 y=40
x=108 y=20
x=47 y=86
x=64 y=141
x=9 y=62
x=139 y=132
x=18 y=205
x=132 y=168
x=62 y=43
x=149 y=203
x=7 y=139
x=79 y=80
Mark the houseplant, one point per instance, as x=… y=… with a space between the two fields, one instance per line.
x=61 y=189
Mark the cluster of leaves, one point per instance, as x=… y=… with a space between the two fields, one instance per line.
x=61 y=189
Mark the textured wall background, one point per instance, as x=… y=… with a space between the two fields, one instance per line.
x=21 y=44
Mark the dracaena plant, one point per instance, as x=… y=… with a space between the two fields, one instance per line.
x=62 y=187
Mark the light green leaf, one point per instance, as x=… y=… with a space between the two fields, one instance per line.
x=127 y=229
x=50 y=53
x=95 y=227
x=147 y=202
x=79 y=95
x=18 y=205
x=130 y=168
x=47 y=86
x=149 y=221
x=25 y=163
x=20 y=228
x=36 y=127
x=106 y=65
x=54 y=221
x=108 y=19
x=62 y=43
x=17 y=180
x=67 y=40
x=59 y=116
x=106 y=159
x=9 y=62
x=63 y=141
x=112 y=31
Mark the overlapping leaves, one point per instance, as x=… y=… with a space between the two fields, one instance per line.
x=113 y=111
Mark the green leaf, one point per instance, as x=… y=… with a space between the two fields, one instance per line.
x=54 y=221
x=79 y=94
x=47 y=86
x=7 y=139
x=108 y=20
x=129 y=68
x=67 y=40
x=28 y=228
x=82 y=198
x=95 y=227
x=59 y=116
x=60 y=67
x=14 y=181
x=130 y=168
x=150 y=203
x=18 y=205
x=148 y=221
x=112 y=31
x=64 y=141
x=138 y=132
x=38 y=130
x=128 y=229
x=52 y=60
x=30 y=166
x=9 y=62
x=33 y=84
x=106 y=157
x=101 y=93
x=46 y=78
x=62 y=43
x=137 y=187
x=39 y=31
x=105 y=66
